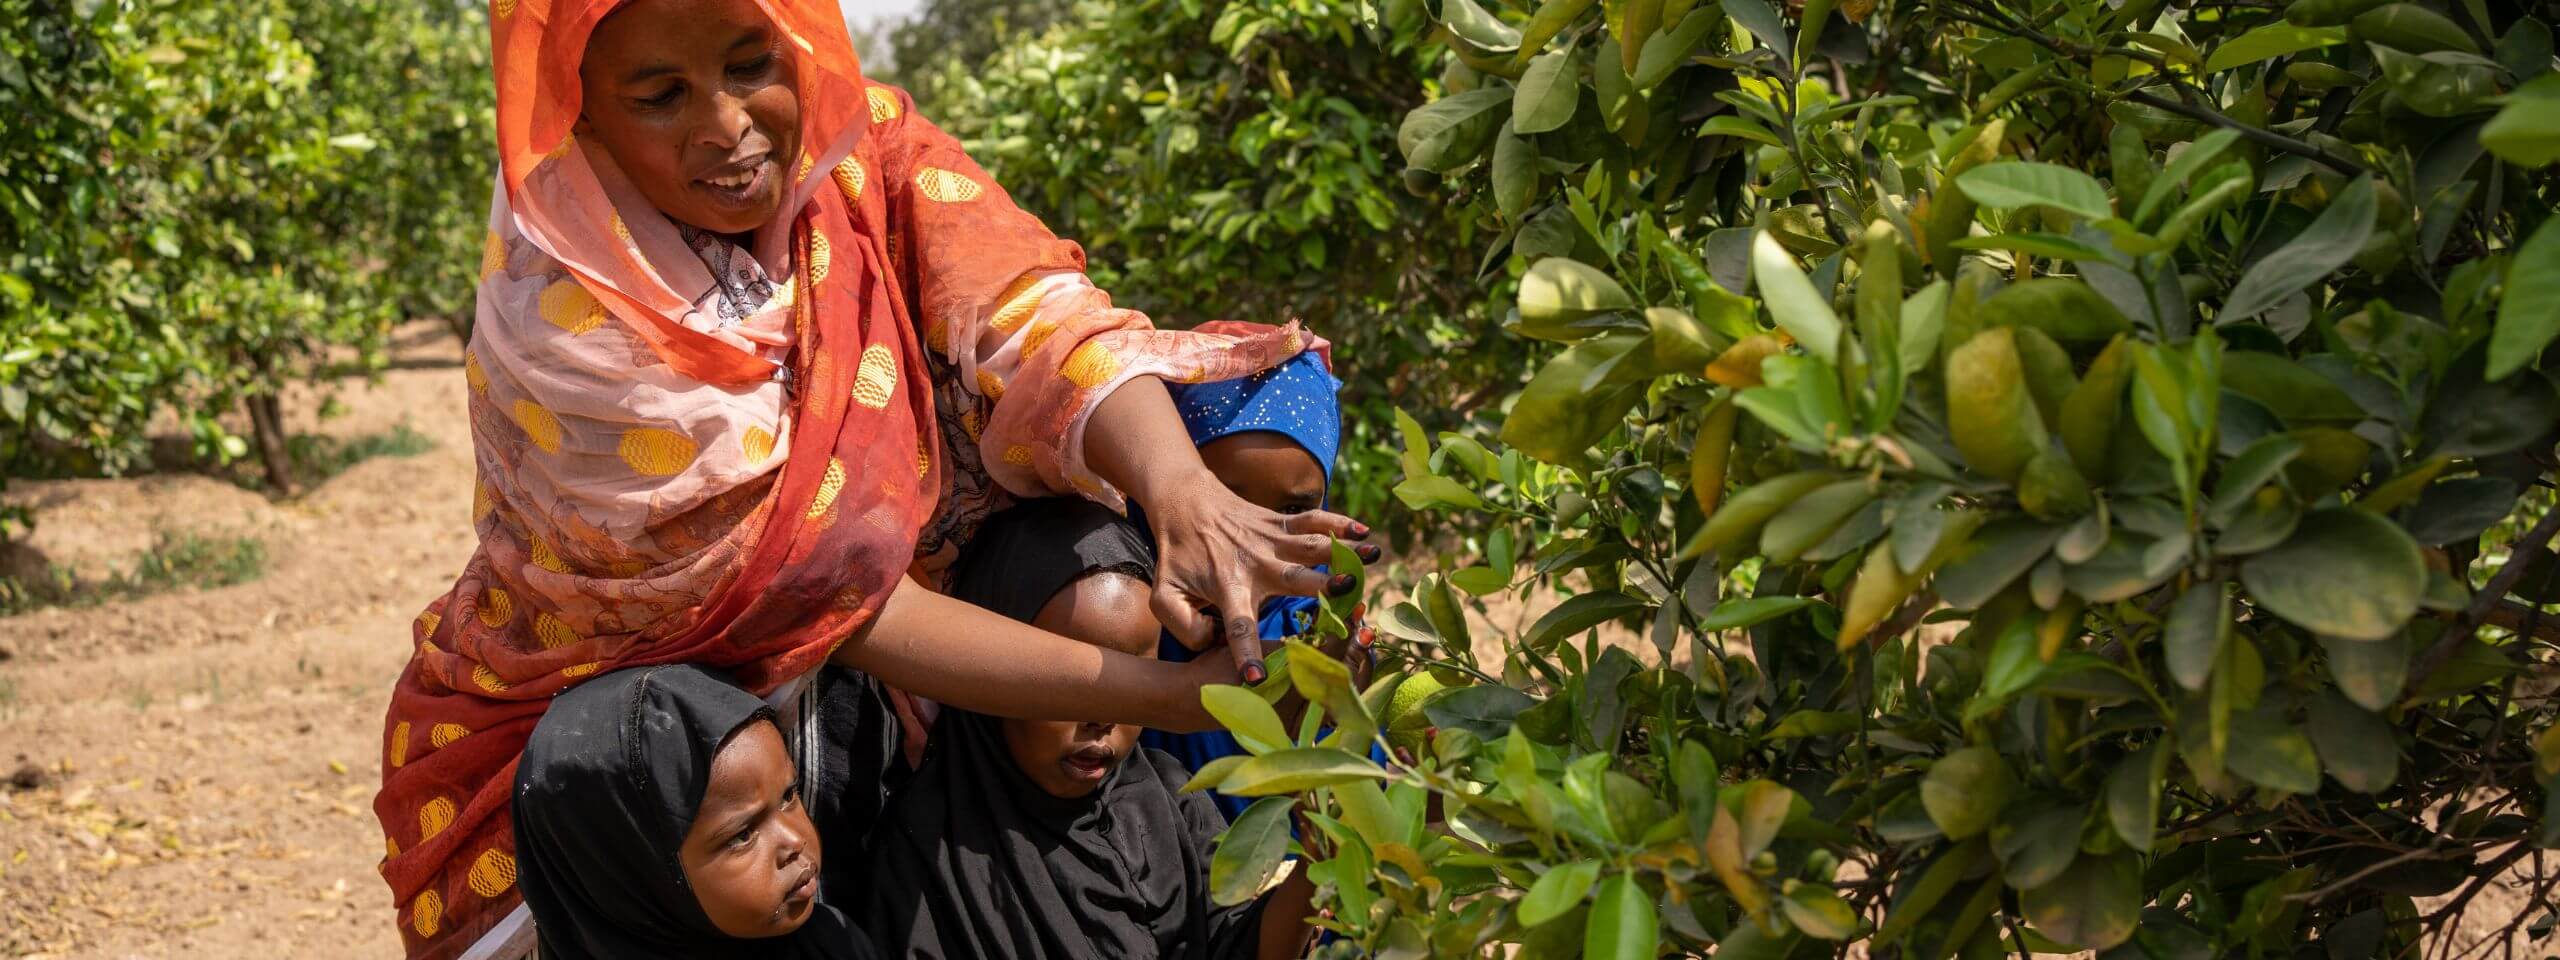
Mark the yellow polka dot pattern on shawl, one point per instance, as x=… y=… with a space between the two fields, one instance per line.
x=656 y=452
x=443 y=735
x=945 y=186
x=493 y=256
x=502 y=9
x=472 y=374
x=937 y=334
x=1017 y=304
x=828 y=487
x=924 y=459
x=621 y=230
x=567 y=143
x=1092 y=365
x=427 y=622
x=486 y=679
x=390 y=847
x=884 y=105
x=1018 y=455
x=990 y=385
x=877 y=379
x=807 y=163
x=496 y=608
x=398 y=752
x=483 y=500
x=492 y=873
x=553 y=633
x=546 y=558
x=567 y=304
x=1039 y=334
x=820 y=257
x=757 y=444
x=426 y=914
x=434 y=817
x=580 y=670
x=849 y=178
x=539 y=425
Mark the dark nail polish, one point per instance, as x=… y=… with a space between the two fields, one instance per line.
x=1339 y=585
x=1253 y=673
x=1365 y=637
x=1359 y=531
x=1369 y=552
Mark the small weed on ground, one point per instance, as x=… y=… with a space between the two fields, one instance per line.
x=175 y=560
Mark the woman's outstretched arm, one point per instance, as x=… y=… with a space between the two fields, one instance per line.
x=957 y=653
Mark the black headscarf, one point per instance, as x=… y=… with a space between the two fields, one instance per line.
x=972 y=859
x=607 y=790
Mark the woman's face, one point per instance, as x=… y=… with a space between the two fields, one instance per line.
x=1267 y=469
x=752 y=855
x=696 y=101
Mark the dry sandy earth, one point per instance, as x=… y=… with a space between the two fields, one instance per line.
x=193 y=771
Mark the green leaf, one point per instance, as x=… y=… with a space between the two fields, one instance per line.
x=1557 y=291
x=2094 y=905
x=1965 y=790
x=2061 y=307
x=1474 y=25
x=1736 y=125
x=2369 y=673
x=2271 y=41
x=1552 y=17
x=1762 y=21
x=1515 y=173
x=1547 y=93
x=1452 y=131
x=2020 y=183
x=1255 y=725
x=1558 y=890
x=1298 y=770
x=2526 y=132
x=1213 y=772
x=2288 y=389
x=2034 y=848
x=2272 y=754
x=1577 y=614
x=1559 y=415
x=2357 y=746
x=2344 y=573
x=1485 y=709
x=2199 y=623
x=1803 y=312
x=1818 y=912
x=1480 y=581
x=1622 y=924
x=1751 y=611
x=2133 y=795
x=2052 y=245
x=2323 y=247
x=2529 y=310
x=2188 y=163
x=1250 y=852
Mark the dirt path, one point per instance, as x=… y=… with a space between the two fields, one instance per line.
x=202 y=763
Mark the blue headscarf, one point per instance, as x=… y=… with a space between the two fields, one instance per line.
x=1295 y=400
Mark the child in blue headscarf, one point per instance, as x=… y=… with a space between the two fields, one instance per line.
x=1271 y=438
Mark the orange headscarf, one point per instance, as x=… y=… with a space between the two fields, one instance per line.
x=650 y=491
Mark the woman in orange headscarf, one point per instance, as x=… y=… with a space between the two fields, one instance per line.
x=756 y=349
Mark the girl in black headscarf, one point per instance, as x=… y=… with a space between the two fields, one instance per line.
x=657 y=815
x=1035 y=840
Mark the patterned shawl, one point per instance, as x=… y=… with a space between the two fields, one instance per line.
x=667 y=474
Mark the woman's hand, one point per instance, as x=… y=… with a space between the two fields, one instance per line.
x=1217 y=556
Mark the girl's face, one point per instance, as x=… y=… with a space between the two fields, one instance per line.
x=696 y=101
x=751 y=855
x=1267 y=469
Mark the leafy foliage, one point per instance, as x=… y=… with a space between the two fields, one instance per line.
x=202 y=200
x=1238 y=161
x=2081 y=468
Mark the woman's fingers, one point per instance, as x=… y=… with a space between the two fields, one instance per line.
x=1326 y=522
x=1188 y=624
x=1244 y=638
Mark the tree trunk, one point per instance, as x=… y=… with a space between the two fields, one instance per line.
x=266 y=421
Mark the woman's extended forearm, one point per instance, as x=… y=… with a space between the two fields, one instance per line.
x=957 y=653
x=1135 y=441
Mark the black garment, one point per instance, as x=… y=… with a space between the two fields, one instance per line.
x=608 y=787
x=972 y=860
x=1026 y=554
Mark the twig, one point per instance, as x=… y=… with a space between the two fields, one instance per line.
x=2257 y=135
x=2533 y=541
x=2524 y=620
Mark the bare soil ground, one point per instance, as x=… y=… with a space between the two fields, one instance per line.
x=190 y=774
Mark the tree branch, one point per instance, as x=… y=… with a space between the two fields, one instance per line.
x=2257 y=135
x=2486 y=602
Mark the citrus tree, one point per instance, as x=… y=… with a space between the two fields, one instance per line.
x=2004 y=476
x=201 y=201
